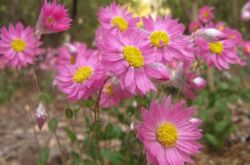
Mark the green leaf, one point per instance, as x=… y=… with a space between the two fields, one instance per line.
x=53 y=124
x=246 y=95
x=43 y=156
x=212 y=140
x=222 y=126
x=69 y=113
x=96 y=126
x=89 y=162
x=76 y=158
x=46 y=97
x=115 y=158
x=71 y=135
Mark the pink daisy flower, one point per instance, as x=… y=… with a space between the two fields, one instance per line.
x=219 y=53
x=233 y=35
x=220 y=25
x=116 y=18
x=50 y=60
x=165 y=37
x=53 y=18
x=193 y=26
x=169 y=133
x=206 y=14
x=128 y=57
x=112 y=94
x=18 y=45
x=69 y=53
x=80 y=81
x=246 y=47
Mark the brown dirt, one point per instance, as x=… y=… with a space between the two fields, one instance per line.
x=18 y=146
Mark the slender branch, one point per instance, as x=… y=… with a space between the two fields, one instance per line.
x=78 y=145
x=55 y=134
x=60 y=148
x=33 y=128
x=96 y=111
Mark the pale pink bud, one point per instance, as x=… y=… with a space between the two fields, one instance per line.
x=211 y=34
x=72 y=48
x=245 y=12
x=199 y=82
x=40 y=115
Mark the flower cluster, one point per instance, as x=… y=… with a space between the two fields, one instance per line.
x=215 y=43
x=19 y=45
x=132 y=60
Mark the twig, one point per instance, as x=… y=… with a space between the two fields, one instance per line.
x=78 y=145
x=96 y=111
x=55 y=134
x=33 y=128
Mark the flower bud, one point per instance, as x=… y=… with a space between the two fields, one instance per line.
x=211 y=34
x=245 y=12
x=199 y=82
x=40 y=115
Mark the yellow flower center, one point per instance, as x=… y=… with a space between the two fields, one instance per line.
x=216 y=47
x=82 y=74
x=159 y=39
x=50 y=20
x=120 y=22
x=133 y=56
x=18 y=45
x=205 y=15
x=108 y=89
x=72 y=59
x=248 y=49
x=167 y=134
x=221 y=27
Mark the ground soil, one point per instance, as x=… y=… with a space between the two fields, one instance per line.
x=18 y=145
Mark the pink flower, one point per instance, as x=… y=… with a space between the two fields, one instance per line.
x=165 y=37
x=245 y=12
x=246 y=47
x=80 y=81
x=53 y=18
x=233 y=35
x=219 y=53
x=114 y=18
x=169 y=133
x=220 y=26
x=127 y=56
x=206 y=14
x=50 y=60
x=112 y=94
x=19 y=45
x=193 y=26
x=70 y=53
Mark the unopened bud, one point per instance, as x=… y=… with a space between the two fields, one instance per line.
x=72 y=48
x=245 y=12
x=40 y=115
x=199 y=82
x=211 y=34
